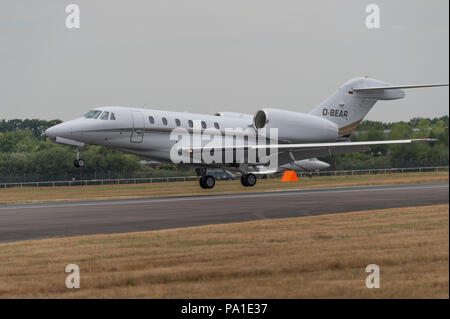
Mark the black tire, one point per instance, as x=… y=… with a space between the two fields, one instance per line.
x=243 y=180
x=81 y=162
x=250 y=180
x=201 y=181
x=78 y=163
x=209 y=181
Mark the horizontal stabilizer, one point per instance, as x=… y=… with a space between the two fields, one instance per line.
x=396 y=87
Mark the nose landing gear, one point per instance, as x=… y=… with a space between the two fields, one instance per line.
x=79 y=162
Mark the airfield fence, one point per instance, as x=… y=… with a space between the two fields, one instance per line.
x=112 y=181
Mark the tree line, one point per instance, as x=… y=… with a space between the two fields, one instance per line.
x=401 y=155
x=27 y=155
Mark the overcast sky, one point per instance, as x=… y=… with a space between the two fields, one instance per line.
x=209 y=55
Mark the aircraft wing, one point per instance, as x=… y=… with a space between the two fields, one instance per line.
x=289 y=152
x=335 y=145
x=309 y=146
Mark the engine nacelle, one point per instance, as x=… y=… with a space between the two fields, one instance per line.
x=296 y=127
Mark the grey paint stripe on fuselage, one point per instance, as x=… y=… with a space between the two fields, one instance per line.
x=169 y=130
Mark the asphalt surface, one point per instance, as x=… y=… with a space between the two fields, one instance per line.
x=44 y=220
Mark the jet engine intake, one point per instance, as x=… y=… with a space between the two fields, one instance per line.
x=296 y=127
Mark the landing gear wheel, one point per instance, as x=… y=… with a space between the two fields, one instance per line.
x=207 y=181
x=243 y=181
x=78 y=163
x=81 y=162
x=201 y=181
x=248 y=180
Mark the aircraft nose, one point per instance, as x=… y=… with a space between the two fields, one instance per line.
x=58 y=130
x=50 y=132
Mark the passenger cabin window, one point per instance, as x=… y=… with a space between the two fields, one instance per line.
x=92 y=114
x=164 y=120
x=104 y=116
x=191 y=124
x=151 y=119
x=177 y=122
x=203 y=124
x=112 y=117
x=216 y=125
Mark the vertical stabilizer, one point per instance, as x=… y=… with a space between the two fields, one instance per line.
x=347 y=107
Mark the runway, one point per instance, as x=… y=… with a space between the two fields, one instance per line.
x=45 y=220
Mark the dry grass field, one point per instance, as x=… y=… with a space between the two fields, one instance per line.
x=308 y=257
x=45 y=194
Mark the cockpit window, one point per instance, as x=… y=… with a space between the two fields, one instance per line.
x=112 y=117
x=104 y=116
x=92 y=114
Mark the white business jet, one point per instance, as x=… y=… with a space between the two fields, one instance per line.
x=296 y=136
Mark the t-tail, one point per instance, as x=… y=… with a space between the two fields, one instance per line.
x=348 y=106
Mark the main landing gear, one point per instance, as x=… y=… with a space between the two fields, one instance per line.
x=205 y=181
x=79 y=162
x=208 y=181
x=248 y=180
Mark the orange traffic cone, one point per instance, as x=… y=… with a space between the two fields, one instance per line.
x=289 y=176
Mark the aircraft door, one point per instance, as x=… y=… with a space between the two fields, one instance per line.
x=137 y=135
